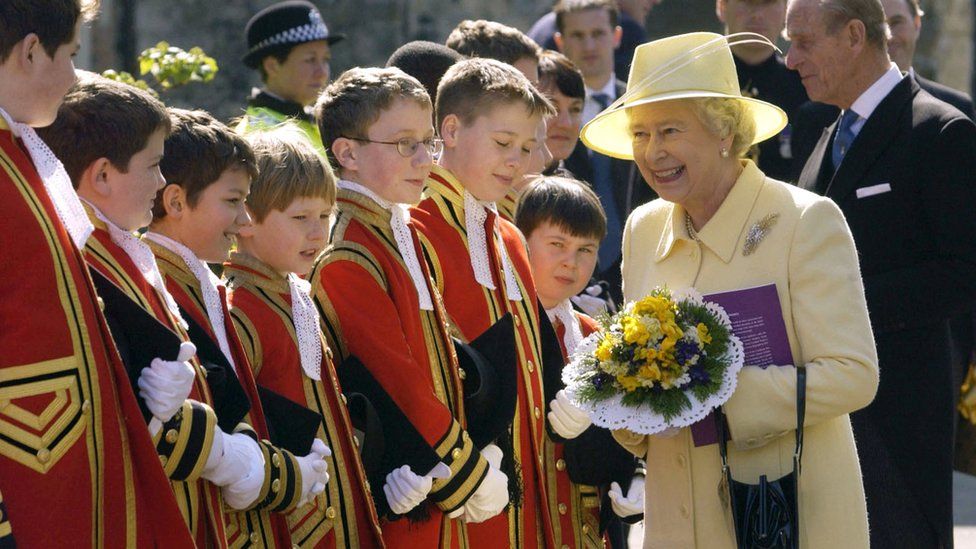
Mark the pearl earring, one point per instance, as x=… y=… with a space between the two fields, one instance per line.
x=724 y=152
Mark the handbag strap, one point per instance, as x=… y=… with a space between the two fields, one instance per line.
x=801 y=405
x=801 y=409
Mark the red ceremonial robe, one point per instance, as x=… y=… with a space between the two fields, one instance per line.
x=194 y=426
x=472 y=309
x=77 y=465
x=264 y=525
x=575 y=508
x=260 y=298
x=371 y=310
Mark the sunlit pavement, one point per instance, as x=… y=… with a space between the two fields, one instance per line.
x=964 y=514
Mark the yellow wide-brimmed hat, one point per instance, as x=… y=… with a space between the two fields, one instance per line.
x=687 y=66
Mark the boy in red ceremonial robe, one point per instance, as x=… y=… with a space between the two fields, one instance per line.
x=289 y=204
x=77 y=464
x=488 y=115
x=381 y=307
x=111 y=137
x=196 y=218
x=563 y=223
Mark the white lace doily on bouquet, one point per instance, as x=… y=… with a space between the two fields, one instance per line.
x=613 y=414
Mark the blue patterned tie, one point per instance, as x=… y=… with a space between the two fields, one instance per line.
x=844 y=138
x=603 y=186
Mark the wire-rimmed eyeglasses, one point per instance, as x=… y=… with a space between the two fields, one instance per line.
x=407 y=147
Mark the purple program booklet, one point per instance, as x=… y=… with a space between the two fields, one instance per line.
x=757 y=320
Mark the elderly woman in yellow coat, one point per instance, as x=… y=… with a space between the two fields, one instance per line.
x=720 y=225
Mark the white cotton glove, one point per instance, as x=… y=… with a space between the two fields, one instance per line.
x=232 y=458
x=166 y=384
x=492 y=496
x=405 y=489
x=633 y=503
x=315 y=471
x=565 y=418
x=588 y=301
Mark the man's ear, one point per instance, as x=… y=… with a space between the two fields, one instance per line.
x=174 y=201
x=618 y=34
x=856 y=34
x=720 y=10
x=346 y=153
x=558 y=38
x=450 y=128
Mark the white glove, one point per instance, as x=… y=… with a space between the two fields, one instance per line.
x=565 y=418
x=315 y=471
x=405 y=489
x=239 y=471
x=492 y=496
x=230 y=457
x=166 y=384
x=588 y=301
x=631 y=505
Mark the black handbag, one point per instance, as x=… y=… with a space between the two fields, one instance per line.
x=766 y=515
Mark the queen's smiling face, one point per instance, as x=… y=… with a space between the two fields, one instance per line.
x=679 y=157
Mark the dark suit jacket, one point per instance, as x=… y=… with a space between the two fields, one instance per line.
x=956 y=98
x=630 y=191
x=917 y=249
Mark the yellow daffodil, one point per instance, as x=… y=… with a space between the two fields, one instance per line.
x=629 y=383
x=634 y=331
x=703 y=334
x=650 y=371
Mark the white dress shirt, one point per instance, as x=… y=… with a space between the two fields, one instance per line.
x=873 y=96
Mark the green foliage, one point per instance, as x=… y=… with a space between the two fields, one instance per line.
x=171 y=67
x=126 y=78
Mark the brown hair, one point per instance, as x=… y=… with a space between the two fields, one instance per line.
x=102 y=118
x=355 y=101
x=288 y=168
x=575 y=6
x=473 y=87
x=198 y=151
x=567 y=203
x=53 y=21
x=557 y=72
x=491 y=40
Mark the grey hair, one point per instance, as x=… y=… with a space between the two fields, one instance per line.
x=724 y=117
x=837 y=13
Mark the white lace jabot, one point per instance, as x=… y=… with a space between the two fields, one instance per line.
x=209 y=284
x=475 y=214
x=572 y=335
x=140 y=254
x=399 y=217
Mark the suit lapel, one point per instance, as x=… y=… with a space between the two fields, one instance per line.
x=872 y=140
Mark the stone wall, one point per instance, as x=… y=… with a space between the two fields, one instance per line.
x=375 y=28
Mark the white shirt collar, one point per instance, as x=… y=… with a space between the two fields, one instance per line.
x=869 y=100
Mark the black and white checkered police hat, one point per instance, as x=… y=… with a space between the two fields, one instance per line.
x=282 y=24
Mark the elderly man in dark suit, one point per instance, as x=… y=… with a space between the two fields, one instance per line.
x=900 y=165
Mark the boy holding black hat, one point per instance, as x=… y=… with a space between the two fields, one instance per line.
x=290 y=45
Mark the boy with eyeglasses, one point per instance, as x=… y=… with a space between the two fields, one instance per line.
x=380 y=305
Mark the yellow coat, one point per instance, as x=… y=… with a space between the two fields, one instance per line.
x=809 y=254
